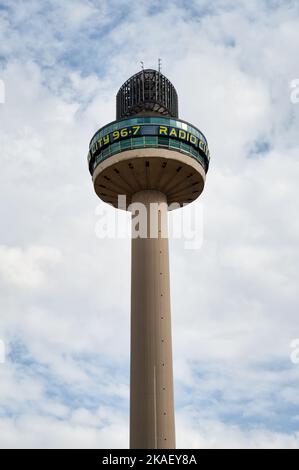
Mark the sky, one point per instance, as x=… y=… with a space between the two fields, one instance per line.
x=65 y=292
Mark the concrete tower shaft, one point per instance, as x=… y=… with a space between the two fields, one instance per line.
x=151 y=399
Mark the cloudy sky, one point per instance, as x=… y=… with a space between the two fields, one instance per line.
x=65 y=293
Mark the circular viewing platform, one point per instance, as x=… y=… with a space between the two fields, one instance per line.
x=149 y=152
x=148 y=132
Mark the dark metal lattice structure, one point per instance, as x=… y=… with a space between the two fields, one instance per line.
x=148 y=91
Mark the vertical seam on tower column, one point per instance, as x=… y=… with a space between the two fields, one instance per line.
x=162 y=373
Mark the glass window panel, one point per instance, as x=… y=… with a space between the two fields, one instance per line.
x=164 y=141
x=174 y=143
x=149 y=130
x=138 y=142
x=124 y=144
x=156 y=120
x=106 y=152
x=100 y=158
x=151 y=140
x=115 y=147
x=201 y=160
x=185 y=147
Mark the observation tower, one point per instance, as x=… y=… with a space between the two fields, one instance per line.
x=153 y=158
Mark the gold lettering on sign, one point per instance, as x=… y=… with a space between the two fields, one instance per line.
x=173 y=133
x=163 y=130
x=182 y=134
x=193 y=139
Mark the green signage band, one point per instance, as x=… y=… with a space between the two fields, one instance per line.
x=148 y=129
x=129 y=132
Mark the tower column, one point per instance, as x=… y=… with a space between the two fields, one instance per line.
x=151 y=392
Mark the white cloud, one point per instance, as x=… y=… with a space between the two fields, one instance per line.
x=97 y=430
x=25 y=268
x=209 y=434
